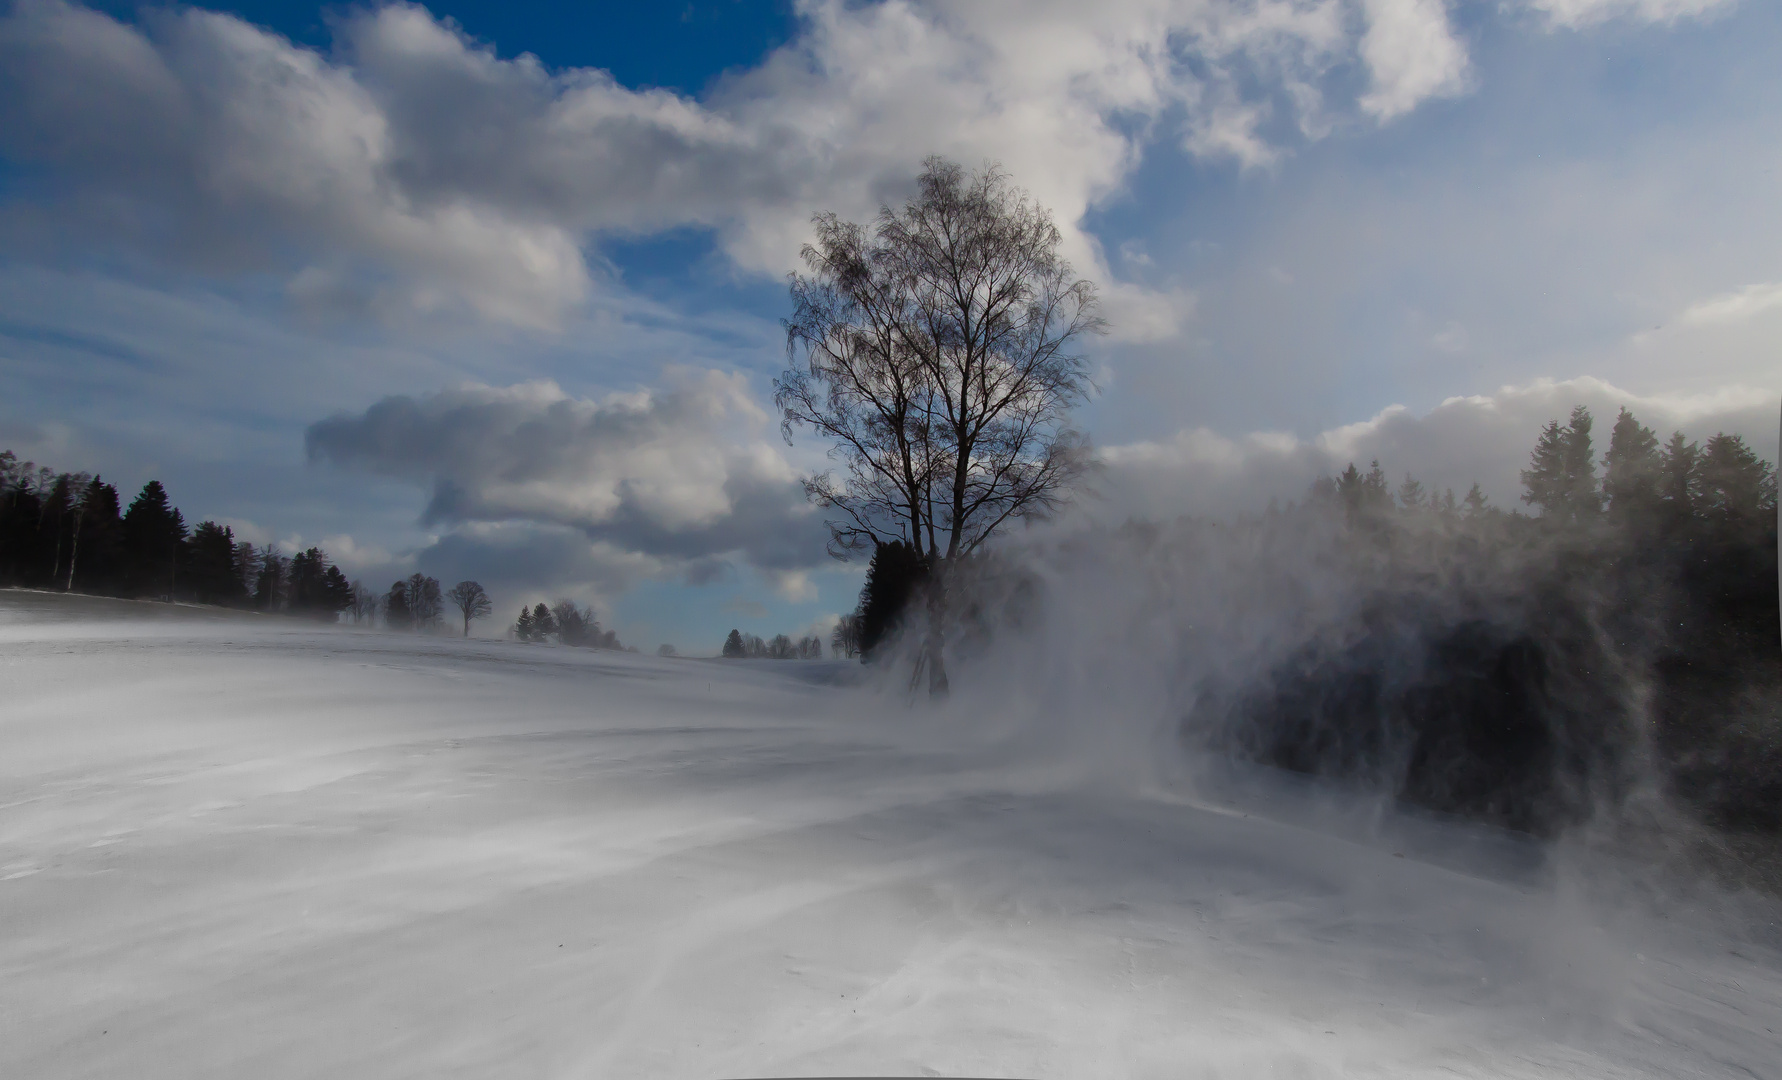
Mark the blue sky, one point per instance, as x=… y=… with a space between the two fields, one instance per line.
x=1322 y=229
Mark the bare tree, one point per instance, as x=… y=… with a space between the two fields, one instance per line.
x=939 y=355
x=845 y=640
x=425 y=602
x=471 y=601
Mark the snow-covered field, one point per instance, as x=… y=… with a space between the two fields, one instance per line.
x=245 y=847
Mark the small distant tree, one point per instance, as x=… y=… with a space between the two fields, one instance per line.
x=426 y=604
x=336 y=594
x=810 y=647
x=1410 y=494
x=845 y=639
x=306 y=584
x=154 y=532
x=523 y=627
x=397 y=614
x=211 y=572
x=1735 y=484
x=361 y=603
x=1561 y=474
x=666 y=649
x=1679 y=476
x=544 y=624
x=1632 y=468
x=733 y=645
x=1476 y=504
x=471 y=601
x=269 y=583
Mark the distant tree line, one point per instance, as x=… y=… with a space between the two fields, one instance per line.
x=65 y=531
x=741 y=646
x=567 y=624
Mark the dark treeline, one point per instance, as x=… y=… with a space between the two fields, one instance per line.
x=69 y=532
x=567 y=624
x=741 y=646
x=1525 y=669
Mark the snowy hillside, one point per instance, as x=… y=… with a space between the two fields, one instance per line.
x=234 y=846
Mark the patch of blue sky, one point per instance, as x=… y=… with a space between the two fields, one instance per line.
x=675 y=46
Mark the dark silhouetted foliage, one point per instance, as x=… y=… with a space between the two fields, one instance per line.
x=893 y=579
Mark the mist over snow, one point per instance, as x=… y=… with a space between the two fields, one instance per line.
x=230 y=831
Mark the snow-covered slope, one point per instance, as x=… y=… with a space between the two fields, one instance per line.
x=238 y=846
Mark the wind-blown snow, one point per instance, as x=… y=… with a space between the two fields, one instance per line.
x=238 y=846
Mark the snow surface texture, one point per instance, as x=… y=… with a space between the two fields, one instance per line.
x=238 y=846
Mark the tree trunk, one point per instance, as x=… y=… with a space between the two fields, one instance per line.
x=934 y=642
x=73 y=553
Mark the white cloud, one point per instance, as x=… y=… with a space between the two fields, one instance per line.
x=1574 y=14
x=683 y=473
x=414 y=170
x=793 y=586
x=1735 y=307
x=1412 y=55
x=1486 y=438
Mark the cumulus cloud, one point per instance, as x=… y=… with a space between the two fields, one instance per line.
x=1736 y=307
x=1412 y=55
x=678 y=478
x=1483 y=438
x=415 y=169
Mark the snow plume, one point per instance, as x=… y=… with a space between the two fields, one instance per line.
x=674 y=479
x=1505 y=668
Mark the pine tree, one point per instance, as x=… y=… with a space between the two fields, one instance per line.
x=336 y=593
x=397 y=615
x=894 y=577
x=544 y=623
x=1477 y=505
x=153 y=532
x=1735 y=484
x=211 y=571
x=1679 y=476
x=733 y=645
x=1631 y=468
x=1410 y=494
x=1561 y=475
x=523 y=624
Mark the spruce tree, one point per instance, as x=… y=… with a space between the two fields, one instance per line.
x=153 y=532
x=1410 y=494
x=1679 y=479
x=397 y=615
x=1735 y=484
x=733 y=645
x=1561 y=473
x=523 y=624
x=211 y=570
x=544 y=623
x=1631 y=468
x=336 y=593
